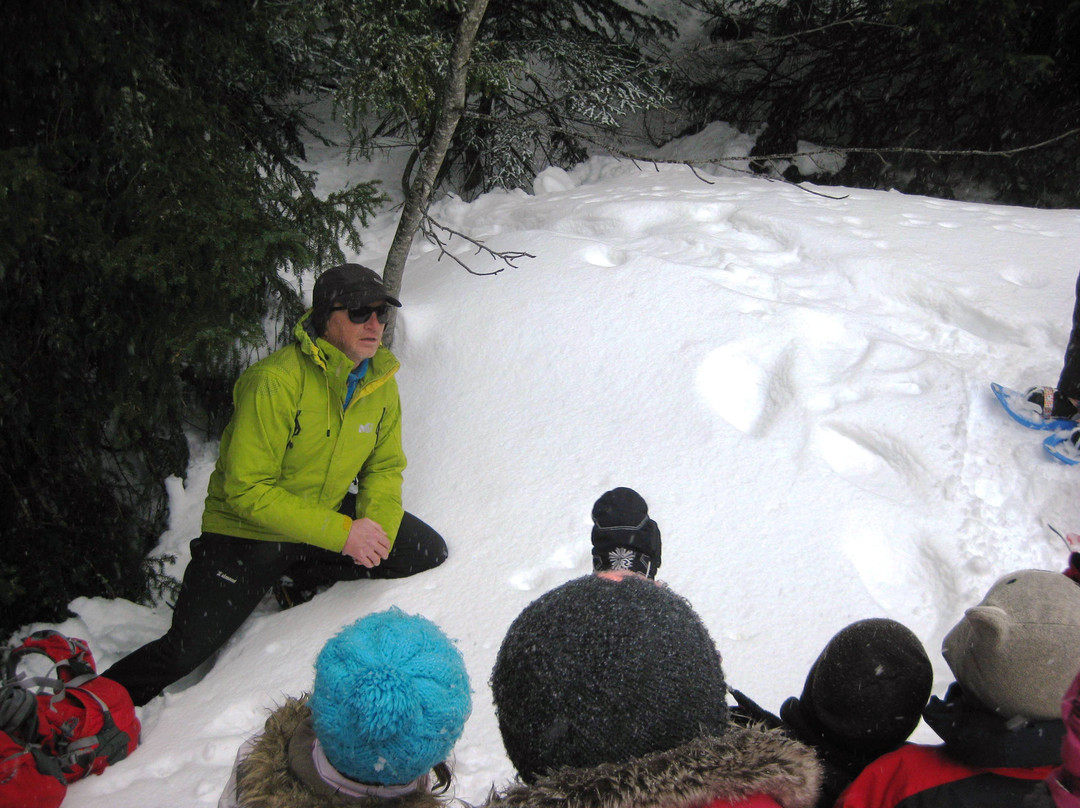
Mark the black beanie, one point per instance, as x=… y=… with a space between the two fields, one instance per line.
x=623 y=535
x=866 y=691
x=604 y=671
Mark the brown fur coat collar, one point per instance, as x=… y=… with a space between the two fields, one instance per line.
x=279 y=773
x=740 y=764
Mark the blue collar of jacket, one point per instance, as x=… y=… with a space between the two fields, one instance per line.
x=337 y=367
x=353 y=380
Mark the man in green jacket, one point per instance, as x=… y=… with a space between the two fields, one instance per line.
x=307 y=487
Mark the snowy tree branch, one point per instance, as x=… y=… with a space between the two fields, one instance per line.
x=429 y=227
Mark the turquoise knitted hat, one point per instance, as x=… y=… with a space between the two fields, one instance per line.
x=390 y=699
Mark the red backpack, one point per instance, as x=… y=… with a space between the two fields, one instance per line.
x=22 y=781
x=59 y=727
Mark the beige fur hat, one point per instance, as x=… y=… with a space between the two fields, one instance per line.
x=1019 y=649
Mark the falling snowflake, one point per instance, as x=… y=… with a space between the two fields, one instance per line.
x=621 y=558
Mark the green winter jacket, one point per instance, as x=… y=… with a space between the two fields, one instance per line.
x=290 y=452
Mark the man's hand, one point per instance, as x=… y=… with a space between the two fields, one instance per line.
x=367 y=544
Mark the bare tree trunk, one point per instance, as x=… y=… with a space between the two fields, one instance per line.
x=419 y=196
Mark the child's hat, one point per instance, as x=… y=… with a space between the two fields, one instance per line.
x=390 y=699
x=866 y=691
x=623 y=535
x=603 y=671
x=1018 y=650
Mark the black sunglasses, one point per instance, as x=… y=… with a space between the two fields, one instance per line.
x=361 y=314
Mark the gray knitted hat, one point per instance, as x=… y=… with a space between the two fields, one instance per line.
x=603 y=671
x=1018 y=650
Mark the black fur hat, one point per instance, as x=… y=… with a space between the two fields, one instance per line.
x=866 y=691
x=605 y=671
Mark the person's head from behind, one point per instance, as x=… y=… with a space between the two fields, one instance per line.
x=623 y=535
x=390 y=699
x=1018 y=650
x=866 y=691
x=605 y=671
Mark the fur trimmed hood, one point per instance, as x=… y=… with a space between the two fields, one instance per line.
x=279 y=772
x=740 y=764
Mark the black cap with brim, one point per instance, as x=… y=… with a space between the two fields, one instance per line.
x=351 y=286
x=363 y=296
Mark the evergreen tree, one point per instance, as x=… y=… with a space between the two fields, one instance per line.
x=547 y=78
x=151 y=197
x=581 y=67
x=902 y=77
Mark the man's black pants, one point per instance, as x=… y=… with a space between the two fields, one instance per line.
x=228 y=576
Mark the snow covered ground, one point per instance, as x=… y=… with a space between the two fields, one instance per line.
x=797 y=381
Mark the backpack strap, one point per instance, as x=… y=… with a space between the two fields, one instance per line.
x=18 y=713
x=70 y=656
x=47 y=764
x=110 y=742
x=78 y=681
x=18 y=702
x=18 y=697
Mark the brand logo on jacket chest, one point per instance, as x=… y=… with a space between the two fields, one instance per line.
x=366 y=428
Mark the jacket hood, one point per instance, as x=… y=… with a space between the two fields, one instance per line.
x=336 y=365
x=735 y=766
x=279 y=772
x=322 y=352
x=978 y=737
